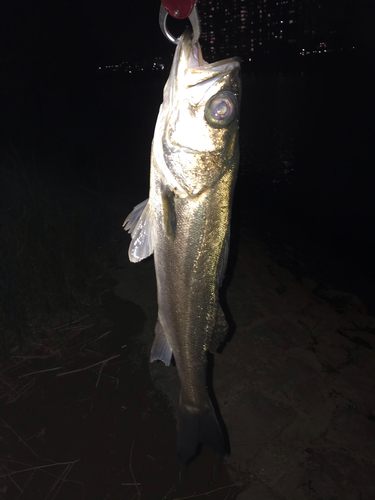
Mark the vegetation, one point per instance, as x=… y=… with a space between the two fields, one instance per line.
x=54 y=264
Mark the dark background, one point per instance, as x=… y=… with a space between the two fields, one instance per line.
x=307 y=128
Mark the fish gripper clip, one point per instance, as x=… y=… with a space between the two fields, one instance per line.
x=180 y=9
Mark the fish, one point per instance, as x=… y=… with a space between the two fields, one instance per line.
x=185 y=223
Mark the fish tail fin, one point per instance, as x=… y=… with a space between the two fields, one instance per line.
x=196 y=427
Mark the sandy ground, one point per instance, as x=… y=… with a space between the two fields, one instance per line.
x=295 y=384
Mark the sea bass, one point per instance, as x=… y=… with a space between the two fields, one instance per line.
x=185 y=223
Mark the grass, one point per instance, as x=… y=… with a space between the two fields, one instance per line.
x=54 y=266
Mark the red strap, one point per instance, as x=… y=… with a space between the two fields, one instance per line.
x=180 y=9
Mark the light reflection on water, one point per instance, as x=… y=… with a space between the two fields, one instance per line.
x=308 y=139
x=269 y=131
x=273 y=164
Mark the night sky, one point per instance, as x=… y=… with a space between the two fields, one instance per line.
x=69 y=33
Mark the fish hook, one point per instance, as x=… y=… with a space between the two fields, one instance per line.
x=189 y=11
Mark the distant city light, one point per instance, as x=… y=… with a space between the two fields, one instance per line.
x=243 y=26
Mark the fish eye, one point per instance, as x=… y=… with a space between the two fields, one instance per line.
x=221 y=109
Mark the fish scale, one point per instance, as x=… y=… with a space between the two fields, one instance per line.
x=185 y=223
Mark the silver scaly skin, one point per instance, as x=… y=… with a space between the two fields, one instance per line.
x=185 y=223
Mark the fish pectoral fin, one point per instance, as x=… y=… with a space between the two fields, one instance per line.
x=160 y=348
x=220 y=330
x=169 y=212
x=139 y=225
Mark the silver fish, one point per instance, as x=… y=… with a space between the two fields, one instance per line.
x=185 y=223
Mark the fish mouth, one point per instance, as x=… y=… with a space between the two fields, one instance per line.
x=198 y=78
x=192 y=54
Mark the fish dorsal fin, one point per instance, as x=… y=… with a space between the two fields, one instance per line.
x=220 y=329
x=139 y=225
x=160 y=348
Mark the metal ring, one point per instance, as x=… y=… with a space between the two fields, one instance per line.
x=194 y=20
x=163 y=14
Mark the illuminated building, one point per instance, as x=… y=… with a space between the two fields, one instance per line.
x=253 y=27
x=225 y=28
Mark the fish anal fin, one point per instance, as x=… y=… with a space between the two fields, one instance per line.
x=220 y=329
x=160 y=348
x=139 y=225
x=223 y=259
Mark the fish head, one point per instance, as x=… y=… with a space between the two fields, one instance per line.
x=196 y=137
